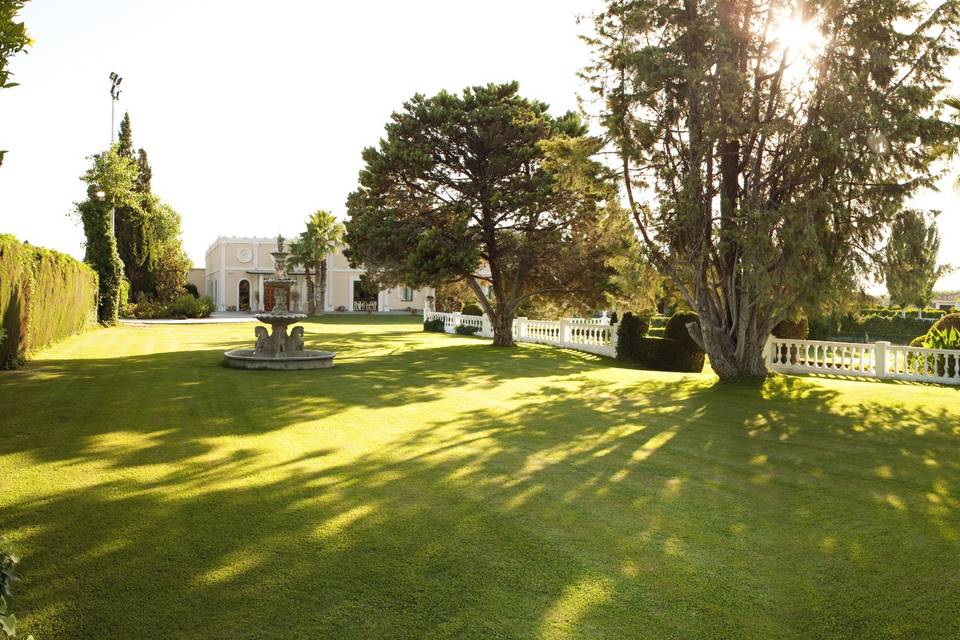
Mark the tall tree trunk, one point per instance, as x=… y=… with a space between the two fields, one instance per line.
x=322 y=276
x=500 y=318
x=729 y=358
x=502 y=329
x=311 y=307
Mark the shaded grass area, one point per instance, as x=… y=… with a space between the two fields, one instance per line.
x=431 y=486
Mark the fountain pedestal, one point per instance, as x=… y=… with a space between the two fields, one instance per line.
x=279 y=350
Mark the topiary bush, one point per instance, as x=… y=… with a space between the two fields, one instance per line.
x=675 y=352
x=630 y=333
x=471 y=309
x=466 y=329
x=947 y=322
x=435 y=325
x=688 y=356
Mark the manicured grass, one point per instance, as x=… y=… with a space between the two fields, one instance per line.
x=431 y=486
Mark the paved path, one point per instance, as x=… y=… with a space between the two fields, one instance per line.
x=217 y=317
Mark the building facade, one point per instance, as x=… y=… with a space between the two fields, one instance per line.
x=236 y=269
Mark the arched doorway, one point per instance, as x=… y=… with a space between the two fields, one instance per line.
x=243 y=298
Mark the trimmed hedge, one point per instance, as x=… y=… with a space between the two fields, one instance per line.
x=880 y=328
x=688 y=356
x=797 y=329
x=466 y=329
x=471 y=309
x=675 y=352
x=435 y=325
x=891 y=312
x=44 y=296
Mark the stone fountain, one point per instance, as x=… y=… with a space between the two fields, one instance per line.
x=279 y=350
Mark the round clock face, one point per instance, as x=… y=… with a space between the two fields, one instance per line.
x=244 y=255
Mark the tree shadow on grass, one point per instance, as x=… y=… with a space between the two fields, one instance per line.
x=178 y=399
x=650 y=507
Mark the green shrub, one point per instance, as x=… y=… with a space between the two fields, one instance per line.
x=466 y=329
x=688 y=356
x=186 y=306
x=471 y=309
x=630 y=332
x=676 y=326
x=44 y=296
x=435 y=325
x=821 y=327
x=797 y=329
x=947 y=322
x=942 y=339
x=8 y=621
x=192 y=289
x=676 y=352
x=206 y=306
x=875 y=327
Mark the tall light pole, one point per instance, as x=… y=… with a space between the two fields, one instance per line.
x=115 y=81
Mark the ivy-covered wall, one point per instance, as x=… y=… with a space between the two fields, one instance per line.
x=44 y=296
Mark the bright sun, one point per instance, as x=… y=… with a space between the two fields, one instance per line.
x=800 y=38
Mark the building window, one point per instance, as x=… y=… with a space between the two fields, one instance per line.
x=406 y=294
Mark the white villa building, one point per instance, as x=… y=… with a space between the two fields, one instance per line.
x=236 y=268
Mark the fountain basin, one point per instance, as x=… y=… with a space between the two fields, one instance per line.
x=284 y=361
x=280 y=319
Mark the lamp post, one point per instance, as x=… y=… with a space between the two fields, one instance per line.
x=115 y=92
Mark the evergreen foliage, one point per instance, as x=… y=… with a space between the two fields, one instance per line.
x=466 y=329
x=910 y=260
x=485 y=187
x=947 y=322
x=435 y=325
x=471 y=309
x=44 y=296
x=148 y=231
x=762 y=179
x=112 y=174
x=676 y=351
x=796 y=329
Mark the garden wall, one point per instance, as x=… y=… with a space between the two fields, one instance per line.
x=44 y=296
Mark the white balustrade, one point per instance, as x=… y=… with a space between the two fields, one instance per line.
x=592 y=335
x=871 y=360
x=847 y=359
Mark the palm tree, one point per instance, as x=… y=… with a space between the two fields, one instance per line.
x=302 y=255
x=325 y=234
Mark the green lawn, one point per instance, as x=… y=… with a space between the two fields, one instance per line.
x=431 y=486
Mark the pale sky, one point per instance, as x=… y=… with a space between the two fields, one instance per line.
x=254 y=114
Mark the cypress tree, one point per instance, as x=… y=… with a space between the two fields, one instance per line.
x=132 y=231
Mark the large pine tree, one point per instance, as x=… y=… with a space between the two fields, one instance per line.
x=487 y=187
x=765 y=147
